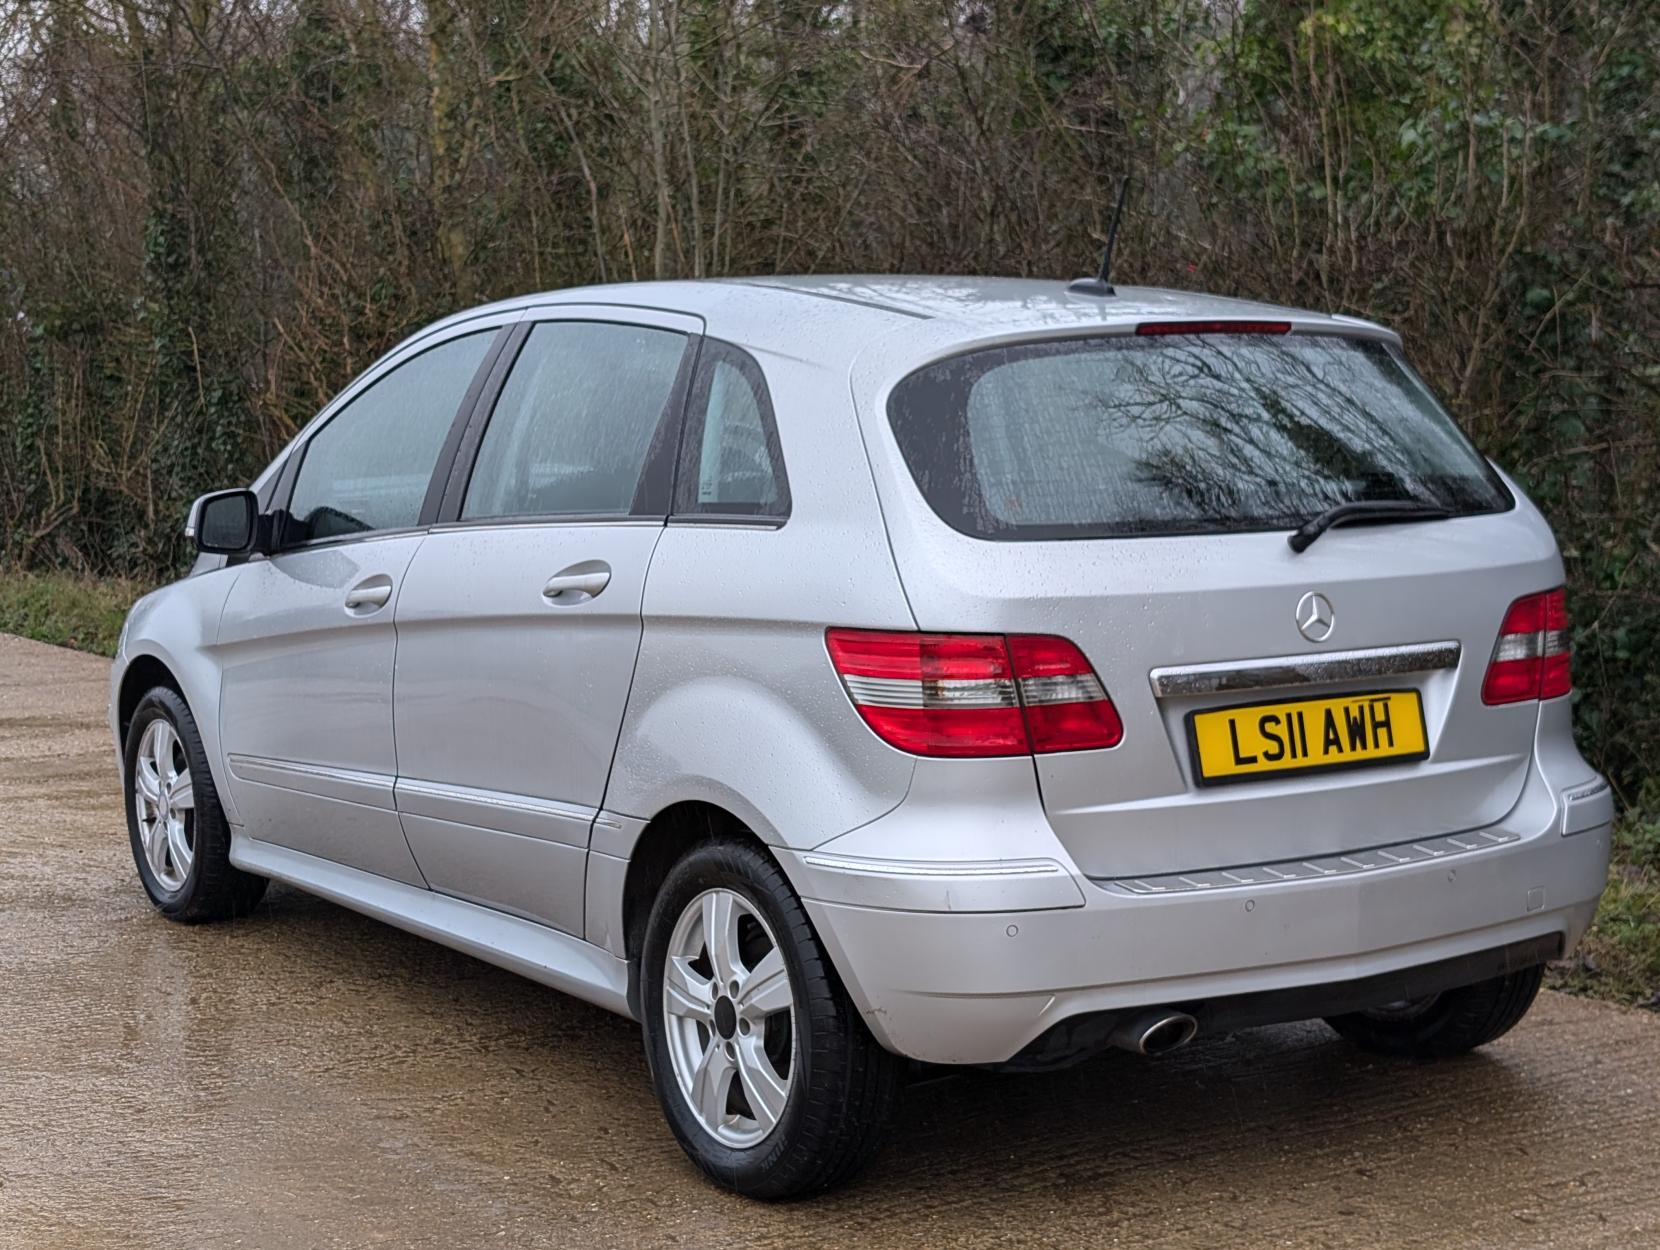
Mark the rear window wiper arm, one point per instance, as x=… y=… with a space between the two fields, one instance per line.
x=1364 y=509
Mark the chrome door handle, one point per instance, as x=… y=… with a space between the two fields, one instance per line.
x=368 y=595
x=577 y=583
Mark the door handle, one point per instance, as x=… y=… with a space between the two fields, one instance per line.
x=369 y=595
x=578 y=583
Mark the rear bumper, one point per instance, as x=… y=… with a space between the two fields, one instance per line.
x=974 y=962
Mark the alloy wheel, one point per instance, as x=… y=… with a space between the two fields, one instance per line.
x=729 y=1008
x=165 y=801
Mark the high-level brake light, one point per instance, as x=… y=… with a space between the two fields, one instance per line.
x=1213 y=327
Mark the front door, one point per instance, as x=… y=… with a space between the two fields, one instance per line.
x=519 y=619
x=306 y=642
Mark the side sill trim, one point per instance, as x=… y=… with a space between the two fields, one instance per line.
x=1301 y=670
x=544 y=955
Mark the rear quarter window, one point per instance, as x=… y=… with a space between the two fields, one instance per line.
x=1202 y=433
x=732 y=464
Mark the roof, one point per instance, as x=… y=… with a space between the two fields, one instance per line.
x=839 y=314
x=1011 y=299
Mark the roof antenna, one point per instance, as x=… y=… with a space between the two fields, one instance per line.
x=1101 y=283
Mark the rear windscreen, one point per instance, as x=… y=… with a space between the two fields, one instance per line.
x=1178 y=434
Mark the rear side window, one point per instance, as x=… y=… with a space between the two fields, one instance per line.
x=369 y=467
x=731 y=462
x=575 y=421
x=1178 y=434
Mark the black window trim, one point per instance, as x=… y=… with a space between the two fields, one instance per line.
x=294 y=461
x=716 y=351
x=653 y=493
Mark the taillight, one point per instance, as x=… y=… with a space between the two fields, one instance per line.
x=1532 y=659
x=966 y=695
x=1067 y=708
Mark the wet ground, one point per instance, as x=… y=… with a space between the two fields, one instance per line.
x=311 y=1078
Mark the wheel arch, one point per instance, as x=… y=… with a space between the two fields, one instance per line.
x=665 y=838
x=169 y=641
x=144 y=673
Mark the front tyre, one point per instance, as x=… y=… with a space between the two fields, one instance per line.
x=767 y=1076
x=180 y=839
x=1444 y=1024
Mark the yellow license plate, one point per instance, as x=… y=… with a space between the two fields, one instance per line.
x=1306 y=735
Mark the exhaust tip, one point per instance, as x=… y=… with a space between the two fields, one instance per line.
x=1155 y=1032
x=1167 y=1033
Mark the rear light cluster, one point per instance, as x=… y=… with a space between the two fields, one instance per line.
x=1532 y=658
x=975 y=695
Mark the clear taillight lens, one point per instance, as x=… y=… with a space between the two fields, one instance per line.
x=974 y=695
x=1532 y=658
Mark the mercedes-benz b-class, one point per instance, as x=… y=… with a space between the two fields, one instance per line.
x=839 y=673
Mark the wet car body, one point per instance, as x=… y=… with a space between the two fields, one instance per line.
x=503 y=722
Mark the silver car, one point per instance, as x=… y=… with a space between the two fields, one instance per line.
x=841 y=674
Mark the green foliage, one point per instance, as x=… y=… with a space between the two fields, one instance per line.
x=65 y=610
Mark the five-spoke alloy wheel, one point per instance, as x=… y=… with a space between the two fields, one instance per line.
x=731 y=1017
x=166 y=802
x=180 y=838
x=766 y=1072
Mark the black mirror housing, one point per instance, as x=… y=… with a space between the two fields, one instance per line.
x=225 y=523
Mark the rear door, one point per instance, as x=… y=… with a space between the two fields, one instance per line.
x=519 y=620
x=1136 y=494
x=306 y=641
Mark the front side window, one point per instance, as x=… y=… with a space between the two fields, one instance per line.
x=1178 y=434
x=576 y=420
x=369 y=467
x=731 y=462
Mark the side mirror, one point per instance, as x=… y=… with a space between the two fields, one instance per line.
x=225 y=523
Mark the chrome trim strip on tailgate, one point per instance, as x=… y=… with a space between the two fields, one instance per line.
x=1301 y=670
x=1422 y=850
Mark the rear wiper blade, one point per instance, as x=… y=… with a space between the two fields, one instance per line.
x=1364 y=509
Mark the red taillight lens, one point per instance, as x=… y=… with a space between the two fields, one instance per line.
x=974 y=694
x=1556 y=675
x=932 y=694
x=1532 y=659
x=1067 y=708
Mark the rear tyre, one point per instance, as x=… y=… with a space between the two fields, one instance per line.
x=767 y=1076
x=1445 y=1024
x=180 y=839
